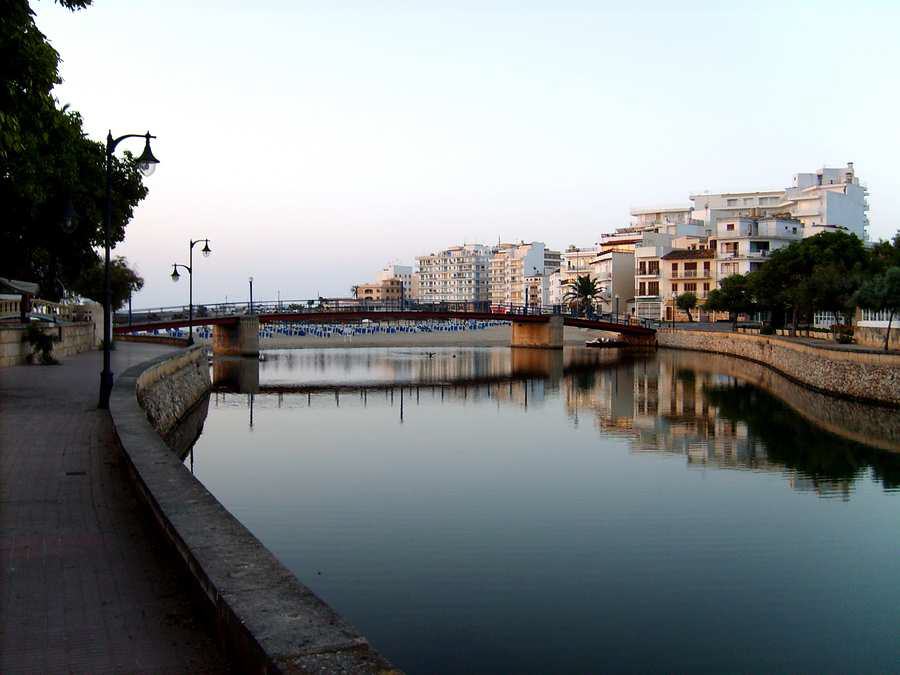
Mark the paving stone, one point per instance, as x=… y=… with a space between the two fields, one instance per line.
x=87 y=584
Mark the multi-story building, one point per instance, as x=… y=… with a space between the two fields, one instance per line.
x=455 y=274
x=402 y=272
x=653 y=217
x=689 y=270
x=614 y=273
x=388 y=290
x=510 y=265
x=647 y=256
x=576 y=262
x=742 y=244
x=552 y=260
x=828 y=197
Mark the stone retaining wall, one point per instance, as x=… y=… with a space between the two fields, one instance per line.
x=864 y=376
x=74 y=338
x=267 y=620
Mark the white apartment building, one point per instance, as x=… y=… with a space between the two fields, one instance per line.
x=576 y=262
x=401 y=272
x=614 y=273
x=455 y=274
x=647 y=277
x=510 y=265
x=555 y=288
x=742 y=244
x=827 y=198
x=653 y=217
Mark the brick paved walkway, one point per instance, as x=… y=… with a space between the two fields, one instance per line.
x=86 y=586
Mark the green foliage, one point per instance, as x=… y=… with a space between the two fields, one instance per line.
x=768 y=329
x=881 y=293
x=733 y=296
x=41 y=344
x=48 y=169
x=817 y=273
x=122 y=281
x=686 y=302
x=581 y=293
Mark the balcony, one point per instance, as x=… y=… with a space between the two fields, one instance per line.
x=691 y=274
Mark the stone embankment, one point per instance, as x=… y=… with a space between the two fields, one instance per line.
x=267 y=620
x=861 y=375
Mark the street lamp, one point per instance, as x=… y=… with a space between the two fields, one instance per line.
x=251 y=295
x=146 y=164
x=617 y=308
x=206 y=250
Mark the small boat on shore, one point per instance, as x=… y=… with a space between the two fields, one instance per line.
x=605 y=342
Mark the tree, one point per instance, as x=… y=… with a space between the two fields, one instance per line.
x=882 y=293
x=687 y=302
x=123 y=281
x=52 y=178
x=732 y=296
x=581 y=293
x=817 y=273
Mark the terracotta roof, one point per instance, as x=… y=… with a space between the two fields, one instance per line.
x=690 y=254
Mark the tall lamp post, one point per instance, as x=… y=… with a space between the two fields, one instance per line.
x=251 y=295
x=206 y=250
x=146 y=164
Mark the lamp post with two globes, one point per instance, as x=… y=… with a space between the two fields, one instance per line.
x=206 y=250
x=146 y=164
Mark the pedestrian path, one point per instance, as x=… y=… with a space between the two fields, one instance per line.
x=87 y=585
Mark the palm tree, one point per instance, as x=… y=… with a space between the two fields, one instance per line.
x=581 y=293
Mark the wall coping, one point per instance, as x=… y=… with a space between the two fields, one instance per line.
x=271 y=623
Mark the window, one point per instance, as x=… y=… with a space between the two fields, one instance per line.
x=731 y=202
x=674 y=288
x=706 y=287
x=730 y=227
x=642 y=268
x=674 y=269
x=690 y=288
x=642 y=288
x=653 y=267
x=706 y=267
x=653 y=288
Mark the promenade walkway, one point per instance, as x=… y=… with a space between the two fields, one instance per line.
x=86 y=584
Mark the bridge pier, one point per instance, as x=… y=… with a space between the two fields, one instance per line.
x=240 y=338
x=639 y=340
x=542 y=335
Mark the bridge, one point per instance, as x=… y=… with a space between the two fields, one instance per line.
x=236 y=326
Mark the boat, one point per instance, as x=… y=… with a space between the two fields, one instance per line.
x=605 y=342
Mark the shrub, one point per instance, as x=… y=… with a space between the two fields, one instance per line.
x=768 y=329
x=41 y=345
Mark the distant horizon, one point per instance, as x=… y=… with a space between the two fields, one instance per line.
x=315 y=145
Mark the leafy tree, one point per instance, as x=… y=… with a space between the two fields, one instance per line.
x=885 y=254
x=686 y=302
x=52 y=178
x=581 y=293
x=733 y=296
x=817 y=273
x=122 y=281
x=882 y=293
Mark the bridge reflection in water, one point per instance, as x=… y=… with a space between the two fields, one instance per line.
x=715 y=411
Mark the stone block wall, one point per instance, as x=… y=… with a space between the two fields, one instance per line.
x=864 y=376
x=167 y=390
x=873 y=337
x=74 y=339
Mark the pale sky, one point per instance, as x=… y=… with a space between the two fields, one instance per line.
x=313 y=145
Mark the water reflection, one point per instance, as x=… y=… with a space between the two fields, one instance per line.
x=525 y=511
x=715 y=411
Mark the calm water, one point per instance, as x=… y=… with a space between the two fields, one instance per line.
x=491 y=510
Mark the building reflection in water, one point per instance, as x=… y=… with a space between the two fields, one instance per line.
x=715 y=411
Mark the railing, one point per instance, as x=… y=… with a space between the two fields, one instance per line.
x=298 y=308
x=43 y=310
x=692 y=274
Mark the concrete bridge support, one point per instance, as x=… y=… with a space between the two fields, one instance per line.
x=542 y=335
x=237 y=339
x=647 y=341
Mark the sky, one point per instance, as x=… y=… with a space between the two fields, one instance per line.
x=315 y=142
